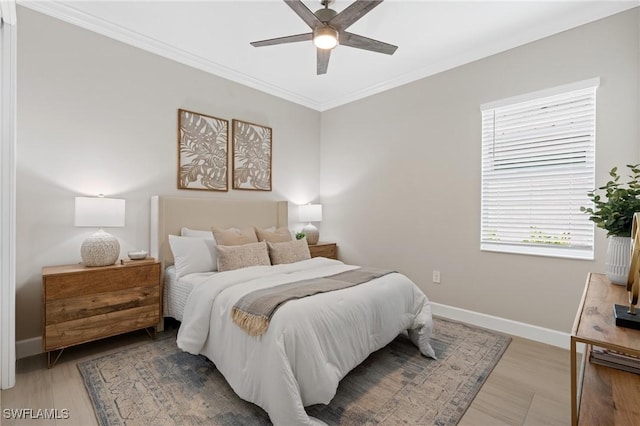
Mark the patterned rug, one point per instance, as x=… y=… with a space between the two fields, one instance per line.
x=156 y=383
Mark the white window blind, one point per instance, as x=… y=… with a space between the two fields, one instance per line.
x=538 y=164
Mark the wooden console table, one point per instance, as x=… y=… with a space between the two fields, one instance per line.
x=603 y=395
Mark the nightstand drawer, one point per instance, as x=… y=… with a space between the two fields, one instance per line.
x=73 y=308
x=83 y=330
x=329 y=250
x=81 y=282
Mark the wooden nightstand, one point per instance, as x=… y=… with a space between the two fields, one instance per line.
x=82 y=304
x=321 y=249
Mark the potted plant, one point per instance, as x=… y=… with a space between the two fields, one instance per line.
x=613 y=211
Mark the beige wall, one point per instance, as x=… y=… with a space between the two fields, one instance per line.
x=400 y=172
x=96 y=115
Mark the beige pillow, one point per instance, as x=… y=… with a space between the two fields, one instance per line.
x=242 y=256
x=280 y=235
x=234 y=236
x=289 y=252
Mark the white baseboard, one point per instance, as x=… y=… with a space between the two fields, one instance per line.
x=33 y=346
x=503 y=325
x=28 y=347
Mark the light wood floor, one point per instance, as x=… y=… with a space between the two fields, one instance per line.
x=529 y=386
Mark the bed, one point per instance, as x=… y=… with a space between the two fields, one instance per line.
x=311 y=343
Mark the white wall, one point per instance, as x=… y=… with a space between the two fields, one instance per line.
x=400 y=172
x=96 y=115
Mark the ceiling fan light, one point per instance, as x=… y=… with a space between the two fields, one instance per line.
x=325 y=38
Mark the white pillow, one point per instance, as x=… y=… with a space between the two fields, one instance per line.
x=197 y=233
x=193 y=255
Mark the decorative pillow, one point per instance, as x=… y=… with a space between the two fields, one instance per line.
x=192 y=255
x=289 y=252
x=270 y=235
x=242 y=256
x=234 y=236
x=197 y=233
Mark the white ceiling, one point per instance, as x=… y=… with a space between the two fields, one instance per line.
x=432 y=36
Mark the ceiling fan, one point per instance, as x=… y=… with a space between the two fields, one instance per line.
x=329 y=30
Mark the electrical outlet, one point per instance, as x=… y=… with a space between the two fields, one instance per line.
x=436 y=277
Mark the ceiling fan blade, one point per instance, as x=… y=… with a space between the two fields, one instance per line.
x=304 y=13
x=323 y=61
x=352 y=13
x=360 y=42
x=281 y=40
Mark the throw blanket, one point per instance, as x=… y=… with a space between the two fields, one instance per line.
x=254 y=310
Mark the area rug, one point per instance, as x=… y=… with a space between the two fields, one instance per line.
x=156 y=383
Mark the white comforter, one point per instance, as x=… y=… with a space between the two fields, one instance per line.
x=311 y=343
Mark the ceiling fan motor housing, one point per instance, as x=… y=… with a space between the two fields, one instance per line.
x=325 y=14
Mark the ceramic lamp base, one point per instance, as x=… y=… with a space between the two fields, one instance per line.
x=100 y=249
x=312 y=234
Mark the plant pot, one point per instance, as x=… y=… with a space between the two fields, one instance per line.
x=618 y=258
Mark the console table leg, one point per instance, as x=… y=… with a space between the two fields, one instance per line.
x=574 y=379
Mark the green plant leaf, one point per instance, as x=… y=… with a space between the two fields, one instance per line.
x=615 y=212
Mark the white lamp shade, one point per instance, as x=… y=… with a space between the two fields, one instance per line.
x=99 y=212
x=310 y=213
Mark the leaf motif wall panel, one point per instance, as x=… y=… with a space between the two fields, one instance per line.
x=203 y=146
x=251 y=156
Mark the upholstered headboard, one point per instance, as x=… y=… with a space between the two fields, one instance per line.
x=170 y=214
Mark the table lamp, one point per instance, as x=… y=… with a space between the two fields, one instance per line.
x=310 y=213
x=101 y=248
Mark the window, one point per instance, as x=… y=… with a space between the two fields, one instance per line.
x=538 y=164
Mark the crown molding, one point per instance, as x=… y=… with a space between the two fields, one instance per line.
x=598 y=11
x=66 y=13
x=80 y=19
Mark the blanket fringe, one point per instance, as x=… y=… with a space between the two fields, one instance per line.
x=255 y=325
